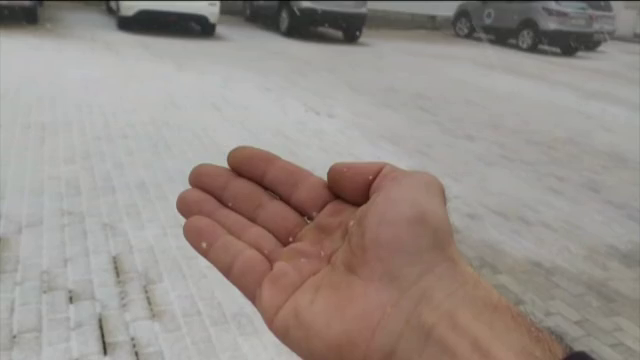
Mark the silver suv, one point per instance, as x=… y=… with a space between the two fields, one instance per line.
x=349 y=17
x=567 y=25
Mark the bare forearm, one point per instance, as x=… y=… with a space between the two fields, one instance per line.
x=475 y=323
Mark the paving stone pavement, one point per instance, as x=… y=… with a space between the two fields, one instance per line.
x=99 y=128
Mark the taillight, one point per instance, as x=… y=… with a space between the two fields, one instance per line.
x=554 y=12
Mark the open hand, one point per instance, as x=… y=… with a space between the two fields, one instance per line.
x=337 y=267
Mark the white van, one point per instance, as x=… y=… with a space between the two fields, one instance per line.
x=204 y=13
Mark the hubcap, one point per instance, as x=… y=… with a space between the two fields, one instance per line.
x=284 y=20
x=463 y=26
x=526 y=38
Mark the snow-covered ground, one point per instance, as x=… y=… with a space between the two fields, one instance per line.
x=99 y=129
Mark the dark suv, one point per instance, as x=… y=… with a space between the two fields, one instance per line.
x=29 y=9
x=348 y=17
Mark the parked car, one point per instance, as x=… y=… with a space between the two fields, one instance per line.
x=567 y=25
x=204 y=13
x=349 y=17
x=29 y=9
x=604 y=21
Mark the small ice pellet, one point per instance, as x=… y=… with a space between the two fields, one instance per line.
x=204 y=245
x=290 y=239
x=314 y=214
x=344 y=169
x=370 y=177
x=229 y=204
x=351 y=223
x=321 y=253
x=303 y=260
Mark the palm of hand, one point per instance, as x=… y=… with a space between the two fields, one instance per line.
x=323 y=287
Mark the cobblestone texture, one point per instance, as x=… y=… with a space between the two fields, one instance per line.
x=99 y=129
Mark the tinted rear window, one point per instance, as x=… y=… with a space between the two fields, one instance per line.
x=600 y=5
x=573 y=4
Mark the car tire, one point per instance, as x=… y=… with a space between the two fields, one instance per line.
x=123 y=22
x=31 y=15
x=569 y=49
x=352 y=35
x=528 y=38
x=248 y=11
x=463 y=26
x=207 y=28
x=592 y=46
x=286 y=20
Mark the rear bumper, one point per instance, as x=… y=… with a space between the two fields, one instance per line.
x=604 y=36
x=142 y=9
x=560 y=37
x=332 y=19
x=155 y=15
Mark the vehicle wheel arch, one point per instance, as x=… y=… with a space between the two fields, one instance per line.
x=528 y=22
x=459 y=13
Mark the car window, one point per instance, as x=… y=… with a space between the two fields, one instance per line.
x=600 y=5
x=573 y=4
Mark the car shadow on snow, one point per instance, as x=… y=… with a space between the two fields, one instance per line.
x=314 y=35
x=178 y=30
x=542 y=50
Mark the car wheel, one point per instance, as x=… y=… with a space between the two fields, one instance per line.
x=31 y=15
x=207 y=28
x=352 y=35
x=462 y=26
x=123 y=22
x=286 y=20
x=528 y=39
x=569 y=49
x=592 y=46
x=248 y=11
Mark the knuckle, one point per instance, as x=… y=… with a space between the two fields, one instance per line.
x=432 y=182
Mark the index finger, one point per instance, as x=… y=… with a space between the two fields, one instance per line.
x=298 y=187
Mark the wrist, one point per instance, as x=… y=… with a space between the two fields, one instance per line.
x=481 y=324
x=459 y=316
